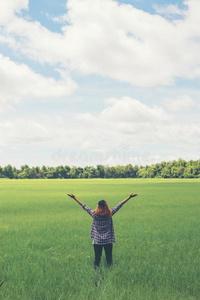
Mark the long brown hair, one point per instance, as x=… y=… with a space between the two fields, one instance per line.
x=103 y=209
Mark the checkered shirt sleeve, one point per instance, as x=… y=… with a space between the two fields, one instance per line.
x=116 y=208
x=88 y=210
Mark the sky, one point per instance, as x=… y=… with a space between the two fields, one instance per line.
x=87 y=82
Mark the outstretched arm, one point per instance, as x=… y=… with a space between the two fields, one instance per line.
x=129 y=197
x=86 y=208
x=118 y=206
x=73 y=197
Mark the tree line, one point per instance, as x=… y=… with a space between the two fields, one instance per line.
x=174 y=169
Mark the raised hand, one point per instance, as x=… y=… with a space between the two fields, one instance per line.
x=129 y=197
x=132 y=195
x=71 y=196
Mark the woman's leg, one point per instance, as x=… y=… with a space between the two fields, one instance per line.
x=108 y=252
x=98 y=253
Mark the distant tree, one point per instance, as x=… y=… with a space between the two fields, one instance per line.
x=74 y=172
x=22 y=175
x=8 y=171
x=85 y=173
x=44 y=171
x=180 y=172
x=49 y=175
x=113 y=172
x=174 y=172
x=32 y=173
x=130 y=171
x=151 y=171
x=107 y=172
x=100 y=171
x=181 y=163
x=2 y=175
x=119 y=172
x=60 y=171
x=15 y=173
x=80 y=172
x=38 y=172
x=67 y=171
x=188 y=173
x=158 y=169
x=166 y=172
x=89 y=172
x=25 y=167
x=142 y=172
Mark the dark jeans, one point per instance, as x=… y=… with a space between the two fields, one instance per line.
x=98 y=253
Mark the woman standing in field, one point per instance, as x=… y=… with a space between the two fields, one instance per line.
x=102 y=232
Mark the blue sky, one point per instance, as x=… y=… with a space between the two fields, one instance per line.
x=85 y=82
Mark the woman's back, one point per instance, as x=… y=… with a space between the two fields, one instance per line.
x=102 y=231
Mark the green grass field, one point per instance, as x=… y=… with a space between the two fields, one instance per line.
x=46 y=251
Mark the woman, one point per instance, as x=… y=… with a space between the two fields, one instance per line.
x=102 y=231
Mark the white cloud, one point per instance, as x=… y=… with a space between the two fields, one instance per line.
x=114 y=40
x=118 y=41
x=129 y=131
x=169 y=10
x=19 y=132
x=131 y=110
x=41 y=130
x=183 y=102
x=18 y=81
x=60 y=19
x=130 y=119
x=9 y=8
x=126 y=130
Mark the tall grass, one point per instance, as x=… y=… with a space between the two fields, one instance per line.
x=46 y=252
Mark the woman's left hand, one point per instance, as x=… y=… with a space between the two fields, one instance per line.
x=71 y=196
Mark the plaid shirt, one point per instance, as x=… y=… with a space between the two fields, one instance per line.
x=102 y=231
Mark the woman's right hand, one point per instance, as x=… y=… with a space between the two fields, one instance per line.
x=132 y=195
